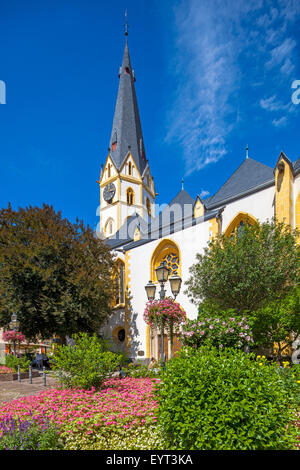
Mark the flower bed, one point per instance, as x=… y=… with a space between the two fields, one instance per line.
x=120 y=416
x=6 y=370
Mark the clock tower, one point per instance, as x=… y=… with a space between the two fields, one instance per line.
x=126 y=184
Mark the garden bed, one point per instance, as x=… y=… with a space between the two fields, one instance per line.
x=14 y=376
x=119 y=416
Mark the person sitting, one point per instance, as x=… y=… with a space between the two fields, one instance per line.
x=39 y=361
x=152 y=363
x=122 y=373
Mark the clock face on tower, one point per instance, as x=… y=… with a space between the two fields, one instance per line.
x=109 y=192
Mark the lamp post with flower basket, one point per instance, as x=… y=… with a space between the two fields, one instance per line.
x=164 y=311
x=12 y=335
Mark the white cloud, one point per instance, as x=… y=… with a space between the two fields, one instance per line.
x=214 y=40
x=273 y=104
x=204 y=193
x=281 y=55
x=280 y=122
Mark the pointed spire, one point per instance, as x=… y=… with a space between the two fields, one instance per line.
x=182 y=184
x=247 y=155
x=126 y=24
x=127 y=130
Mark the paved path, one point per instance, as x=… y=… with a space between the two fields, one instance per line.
x=13 y=389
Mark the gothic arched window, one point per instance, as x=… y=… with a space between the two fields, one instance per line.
x=237 y=225
x=119 y=279
x=130 y=196
x=297 y=212
x=168 y=252
x=109 y=227
x=148 y=206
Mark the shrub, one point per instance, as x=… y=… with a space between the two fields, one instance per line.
x=221 y=400
x=13 y=362
x=31 y=434
x=141 y=370
x=227 y=329
x=291 y=377
x=84 y=364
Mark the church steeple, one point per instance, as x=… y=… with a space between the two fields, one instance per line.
x=126 y=184
x=126 y=132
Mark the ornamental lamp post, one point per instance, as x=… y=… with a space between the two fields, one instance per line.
x=175 y=283
x=162 y=274
x=150 y=290
x=14 y=325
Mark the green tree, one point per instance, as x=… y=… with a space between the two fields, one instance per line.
x=278 y=323
x=85 y=364
x=54 y=274
x=247 y=270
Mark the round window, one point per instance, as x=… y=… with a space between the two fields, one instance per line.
x=121 y=335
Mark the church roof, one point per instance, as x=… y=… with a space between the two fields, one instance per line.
x=182 y=198
x=126 y=232
x=126 y=132
x=177 y=215
x=296 y=166
x=249 y=177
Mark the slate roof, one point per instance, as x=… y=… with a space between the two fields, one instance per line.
x=127 y=130
x=182 y=198
x=296 y=166
x=249 y=177
x=177 y=215
x=126 y=232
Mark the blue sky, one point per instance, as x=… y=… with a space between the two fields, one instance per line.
x=212 y=77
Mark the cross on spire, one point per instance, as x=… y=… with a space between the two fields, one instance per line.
x=126 y=24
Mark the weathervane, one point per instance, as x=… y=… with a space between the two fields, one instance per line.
x=126 y=23
x=247 y=151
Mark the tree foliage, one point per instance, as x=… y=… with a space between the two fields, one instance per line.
x=278 y=323
x=248 y=269
x=54 y=274
x=85 y=364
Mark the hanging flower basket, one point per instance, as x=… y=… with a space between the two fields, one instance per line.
x=13 y=336
x=164 y=312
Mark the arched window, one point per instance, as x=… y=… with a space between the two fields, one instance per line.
x=297 y=212
x=119 y=279
x=237 y=224
x=148 y=206
x=167 y=251
x=109 y=227
x=109 y=170
x=130 y=168
x=130 y=196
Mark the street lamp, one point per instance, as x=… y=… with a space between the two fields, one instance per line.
x=150 y=290
x=14 y=325
x=162 y=274
x=175 y=283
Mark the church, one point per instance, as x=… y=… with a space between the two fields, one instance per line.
x=142 y=237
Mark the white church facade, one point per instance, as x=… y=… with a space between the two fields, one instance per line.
x=141 y=238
